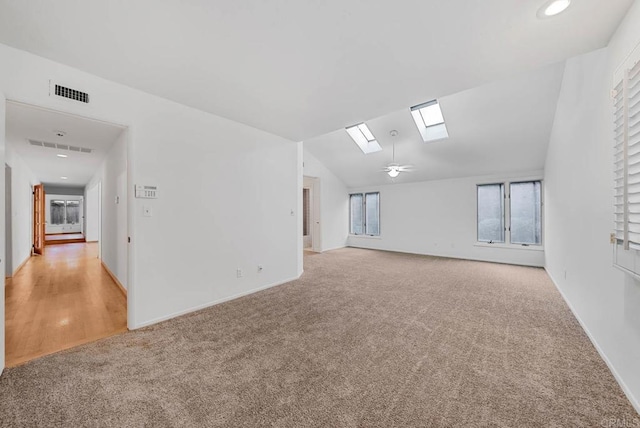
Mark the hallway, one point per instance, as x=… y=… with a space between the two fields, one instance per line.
x=60 y=300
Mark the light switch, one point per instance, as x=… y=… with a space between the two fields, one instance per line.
x=147 y=211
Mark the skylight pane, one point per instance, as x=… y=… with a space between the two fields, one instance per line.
x=357 y=134
x=430 y=121
x=432 y=115
x=365 y=130
x=437 y=132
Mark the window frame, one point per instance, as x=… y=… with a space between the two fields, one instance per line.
x=507 y=214
x=363 y=195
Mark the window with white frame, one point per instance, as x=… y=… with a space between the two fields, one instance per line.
x=510 y=213
x=64 y=212
x=364 y=214
x=626 y=164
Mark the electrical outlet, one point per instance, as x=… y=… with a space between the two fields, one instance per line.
x=612 y=238
x=260 y=268
x=239 y=273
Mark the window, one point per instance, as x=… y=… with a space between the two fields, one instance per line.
x=491 y=213
x=525 y=213
x=626 y=101
x=519 y=222
x=430 y=121
x=64 y=212
x=57 y=212
x=364 y=214
x=73 y=212
x=363 y=137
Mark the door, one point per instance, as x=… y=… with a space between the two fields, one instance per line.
x=38 y=219
x=306 y=218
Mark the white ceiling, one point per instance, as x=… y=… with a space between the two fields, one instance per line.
x=499 y=127
x=301 y=69
x=26 y=122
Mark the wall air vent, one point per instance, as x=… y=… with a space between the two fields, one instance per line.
x=59 y=146
x=72 y=94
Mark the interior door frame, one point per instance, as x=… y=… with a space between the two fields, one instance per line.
x=128 y=130
x=313 y=184
x=39 y=199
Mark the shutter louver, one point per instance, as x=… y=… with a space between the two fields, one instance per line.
x=633 y=155
x=626 y=121
x=619 y=162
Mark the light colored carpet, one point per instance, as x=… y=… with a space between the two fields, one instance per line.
x=364 y=338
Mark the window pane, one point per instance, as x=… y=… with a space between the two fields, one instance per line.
x=372 y=202
x=73 y=212
x=57 y=212
x=491 y=213
x=525 y=213
x=356 y=227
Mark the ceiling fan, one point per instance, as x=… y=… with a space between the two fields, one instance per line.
x=394 y=169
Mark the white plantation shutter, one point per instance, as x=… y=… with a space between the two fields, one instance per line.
x=620 y=164
x=626 y=96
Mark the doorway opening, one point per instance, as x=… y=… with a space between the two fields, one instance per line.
x=63 y=292
x=311 y=237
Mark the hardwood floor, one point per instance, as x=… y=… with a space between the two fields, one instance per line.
x=59 y=300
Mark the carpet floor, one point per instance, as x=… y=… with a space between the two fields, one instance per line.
x=363 y=339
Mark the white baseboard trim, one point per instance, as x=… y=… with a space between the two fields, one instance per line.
x=333 y=248
x=447 y=256
x=634 y=401
x=212 y=303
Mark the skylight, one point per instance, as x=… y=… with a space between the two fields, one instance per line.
x=364 y=138
x=429 y=120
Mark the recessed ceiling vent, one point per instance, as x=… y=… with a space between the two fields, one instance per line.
x=57 y=146
x=72 y=94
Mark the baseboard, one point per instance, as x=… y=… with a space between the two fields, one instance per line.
x=632 y=399
x=333 y=248
x=212 y=303
x=20 y=266
x=115 y=279
x=443 y=256
x=90 y=242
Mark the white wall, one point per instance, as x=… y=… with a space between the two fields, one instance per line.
x=220 y=172
x=61 y=228
x=334 y=204
x=92 y=211
x=22 y=182
x=112 y=175
x=439 y=218
x=579 y=208
x=2 y=250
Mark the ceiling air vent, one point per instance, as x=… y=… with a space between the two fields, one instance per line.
x=60 y=146
x=72 y=94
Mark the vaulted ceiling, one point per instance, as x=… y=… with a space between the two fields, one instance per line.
x=499 y=127
x=301 y=69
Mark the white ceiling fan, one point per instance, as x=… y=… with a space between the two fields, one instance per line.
x=394 y=169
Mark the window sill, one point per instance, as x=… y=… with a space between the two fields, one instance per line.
x=510 y=246
x=366 y=236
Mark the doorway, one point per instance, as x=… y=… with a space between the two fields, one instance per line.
x=311 y=232
x=65 y=293
x=8 y=248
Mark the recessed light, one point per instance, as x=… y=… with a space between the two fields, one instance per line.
x=553 y=8
x=60 y=155
x=63 y=177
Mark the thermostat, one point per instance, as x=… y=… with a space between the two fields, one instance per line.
x=146 y=192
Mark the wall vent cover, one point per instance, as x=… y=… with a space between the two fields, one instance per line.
x=72 y=94
x=60 y=146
